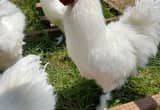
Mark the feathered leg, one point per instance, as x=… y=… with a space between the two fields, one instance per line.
x=103 y=100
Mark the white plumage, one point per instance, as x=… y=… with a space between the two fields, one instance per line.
x=12 y=24
x=24 y=86
x=54 y=11
x=111 y=54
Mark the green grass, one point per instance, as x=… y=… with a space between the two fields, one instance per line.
x=74 y=92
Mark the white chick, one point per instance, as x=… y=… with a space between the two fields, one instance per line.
x=12 y=24
x=111 y=54
x=24 y=86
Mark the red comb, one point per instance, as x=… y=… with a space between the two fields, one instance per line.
x=67 y=2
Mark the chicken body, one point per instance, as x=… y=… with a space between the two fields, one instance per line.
x=110 y=54
x=12 y=24
x=54 y=11
x=24 y=86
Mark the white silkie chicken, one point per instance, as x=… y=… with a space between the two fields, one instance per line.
x=12 y=24
x=54 y=11
x=24 y=86
x=110 y=54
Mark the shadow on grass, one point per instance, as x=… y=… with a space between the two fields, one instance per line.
x=41 y=43
x=124 y=95
x=84 y=95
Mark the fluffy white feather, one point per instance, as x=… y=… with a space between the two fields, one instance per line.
x=12 y=24
x=54 y=11
x=111 y=54
x=24 y=86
